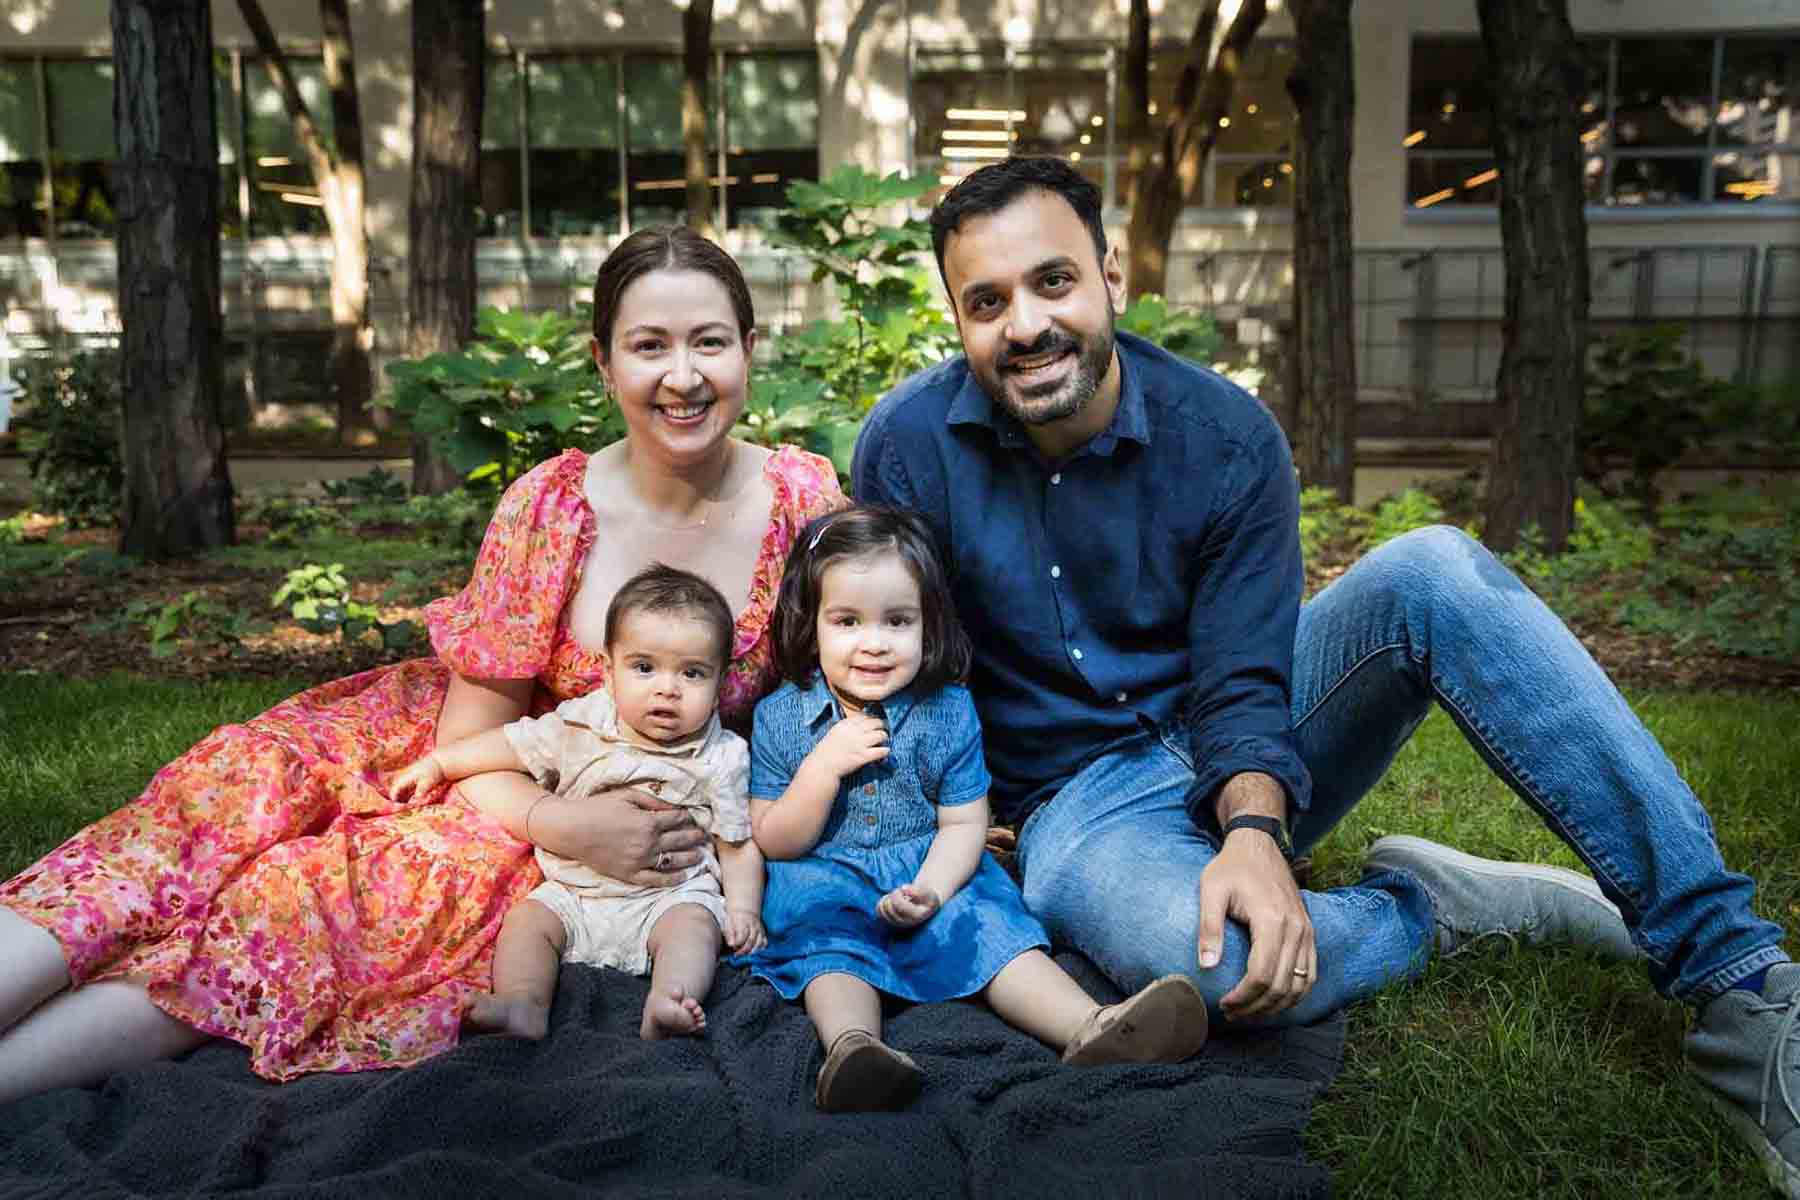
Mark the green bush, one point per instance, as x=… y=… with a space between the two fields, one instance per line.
x=1649 y=404
x=523 y=391
x=1182 y=331
x=71 y=437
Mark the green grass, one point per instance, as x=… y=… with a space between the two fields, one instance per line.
x=1532 y=1073
x=1514 y=1073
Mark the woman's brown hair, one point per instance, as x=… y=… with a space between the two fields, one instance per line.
x=670 y=248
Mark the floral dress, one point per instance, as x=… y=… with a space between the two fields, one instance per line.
x=266 y=888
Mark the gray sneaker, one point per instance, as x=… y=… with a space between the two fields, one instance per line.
x=1476 y=898
x=1743 y=1052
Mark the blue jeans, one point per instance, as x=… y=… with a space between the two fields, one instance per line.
x=1111 y=863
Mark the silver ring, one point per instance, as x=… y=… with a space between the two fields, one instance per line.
x=662 y=860
x=1302 y=972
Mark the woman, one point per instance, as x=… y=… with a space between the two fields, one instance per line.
x=264 y=887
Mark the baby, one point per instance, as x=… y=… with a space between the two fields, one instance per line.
x=654 y=727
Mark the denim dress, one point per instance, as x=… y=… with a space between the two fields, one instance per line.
x=819 y=910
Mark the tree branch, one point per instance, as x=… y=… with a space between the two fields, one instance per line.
x=275 y=62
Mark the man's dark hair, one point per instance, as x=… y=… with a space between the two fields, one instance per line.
x=661 y=589
x=987 y=191
x=857 y=533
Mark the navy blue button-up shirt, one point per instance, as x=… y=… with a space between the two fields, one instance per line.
x=1149 y=582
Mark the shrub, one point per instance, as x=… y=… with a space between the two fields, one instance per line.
x=1647 y=403
x=71 y=438
x=524 y=390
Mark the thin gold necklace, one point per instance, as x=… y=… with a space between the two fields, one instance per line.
x=709 y=503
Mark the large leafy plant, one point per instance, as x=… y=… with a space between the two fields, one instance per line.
x=522 y=391
x=824 y=378
x=71 y=437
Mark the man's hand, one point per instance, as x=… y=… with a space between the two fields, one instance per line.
x=1249 y=881
x=908 y=906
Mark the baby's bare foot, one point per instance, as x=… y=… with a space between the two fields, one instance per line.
x=671 y=1012
x=516 y=1016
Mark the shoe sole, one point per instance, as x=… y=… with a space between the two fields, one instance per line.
x=1784 y=1177
x=1164 y=1023
x=871 y=1078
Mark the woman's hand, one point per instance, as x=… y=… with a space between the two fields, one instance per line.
x=420 y=779
x=908 y=906
x=625 y=833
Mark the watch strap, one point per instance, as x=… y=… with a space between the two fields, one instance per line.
x=1275 y=827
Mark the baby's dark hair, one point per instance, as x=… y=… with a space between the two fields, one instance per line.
x=857 y=533
x=661 y=589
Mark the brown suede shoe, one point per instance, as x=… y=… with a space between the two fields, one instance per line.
x=864 y=1074
x=1164 y=1023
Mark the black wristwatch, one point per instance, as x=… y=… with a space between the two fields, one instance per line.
x=1275 y=827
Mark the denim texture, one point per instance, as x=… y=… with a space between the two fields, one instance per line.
x=1111 y=864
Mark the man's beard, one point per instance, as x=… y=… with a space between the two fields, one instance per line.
x=1071 y=394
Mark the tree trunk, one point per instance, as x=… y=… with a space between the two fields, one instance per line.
x=1537 y=78
x=449 y=52
x=352 y=336
x=339 y=178
x=1178 y=149
x=1324 y=90
x=177 y=487
x=696 y=63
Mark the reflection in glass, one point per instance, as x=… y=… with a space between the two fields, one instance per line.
x=1665 y=85
x=1062 y=95
x=656 y=164
x=21 y=173
x=225 y=119
x=1448 y=101
x=961 y=112
x=283 y=197
x=1638 y=179
x=1454 y=179
x=772 y=115
x=1759 y=92
x=1740 y=178
x=572 y=129
x=502 y=205
x=81 y=148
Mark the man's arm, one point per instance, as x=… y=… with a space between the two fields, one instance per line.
x=1241 y=630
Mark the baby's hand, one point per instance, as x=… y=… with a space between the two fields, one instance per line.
x=416 y=780
x=854 y=742
x=744 y=932
x=908 y=906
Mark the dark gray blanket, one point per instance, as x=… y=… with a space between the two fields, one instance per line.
x=593 y=1109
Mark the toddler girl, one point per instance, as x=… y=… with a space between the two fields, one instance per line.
x=868 y=796
x=654 y=726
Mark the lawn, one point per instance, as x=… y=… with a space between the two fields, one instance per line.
x=1522 y=1073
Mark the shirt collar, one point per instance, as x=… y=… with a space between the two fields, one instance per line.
x=973 y=406
x=817 y=703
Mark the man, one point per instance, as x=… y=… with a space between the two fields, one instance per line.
x=1171 y=726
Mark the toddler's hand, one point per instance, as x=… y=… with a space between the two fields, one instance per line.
x=908 y=906
x=854 y=742
x=416 y=780
x=744 y=932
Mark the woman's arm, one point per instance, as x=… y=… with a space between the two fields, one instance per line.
x=623 y=833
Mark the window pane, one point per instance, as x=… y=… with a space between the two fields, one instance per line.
x=1641 y=180
x=1665 y=91
x=81 y=147
x=1252 y=182
x=656 y=166
x=225 y=119
x=1759 y=102
x=1738 y=178
x=772 y=112
x=1458 y=179
x=21 y=174
x=960 y=111
x=502 y=182
x=1063 y=97
x=573 y=132
x=283 y=197
x=1447 y=102
x=1261 y=118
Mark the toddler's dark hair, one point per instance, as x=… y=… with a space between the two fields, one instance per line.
x=661 y=589
x=857 y=533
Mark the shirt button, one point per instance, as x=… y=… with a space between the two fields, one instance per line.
x=1119 y=696
x=1056 y=572
x=1056 y=478
x=869 y=790
x=869 y=820
x=1076 y=651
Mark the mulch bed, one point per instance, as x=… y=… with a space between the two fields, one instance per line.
x=56 y=622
